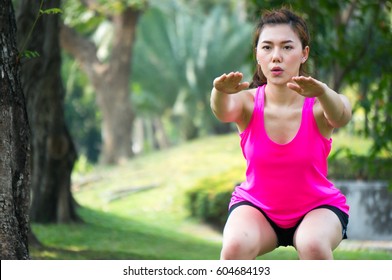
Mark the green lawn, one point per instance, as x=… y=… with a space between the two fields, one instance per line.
x=137 y=210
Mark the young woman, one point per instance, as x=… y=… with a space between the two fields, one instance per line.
x=285 y=121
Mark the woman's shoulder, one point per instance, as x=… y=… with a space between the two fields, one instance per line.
x=248 y=97
x=249 y=94
x=248 y=100
x=324 y=128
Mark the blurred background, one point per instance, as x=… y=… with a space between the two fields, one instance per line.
x=128 y=160
x=181 y=46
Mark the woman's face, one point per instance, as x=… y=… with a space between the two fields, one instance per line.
x=279 y=53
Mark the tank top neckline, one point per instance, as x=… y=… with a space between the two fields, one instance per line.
x=261 y=99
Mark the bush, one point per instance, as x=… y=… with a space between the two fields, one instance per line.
x=209 y=199
x=354 y=167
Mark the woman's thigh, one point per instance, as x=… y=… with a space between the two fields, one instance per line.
x=247 y=234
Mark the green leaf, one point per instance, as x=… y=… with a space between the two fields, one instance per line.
x=30 y=54
x=51 y=11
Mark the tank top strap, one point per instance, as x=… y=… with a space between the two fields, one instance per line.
x=307 y=115
x=259 y=98
x=309 y=102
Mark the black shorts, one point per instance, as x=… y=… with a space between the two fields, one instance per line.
x=286 y=235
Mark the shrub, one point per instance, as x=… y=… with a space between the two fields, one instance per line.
x=208 y=200
x=354 y=167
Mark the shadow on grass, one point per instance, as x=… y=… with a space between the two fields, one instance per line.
x=104 y=236
x=51 y=253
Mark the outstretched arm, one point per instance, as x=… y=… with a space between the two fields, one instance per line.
x=336 y=107
x=225 y=103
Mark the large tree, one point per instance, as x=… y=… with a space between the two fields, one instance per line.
x=14 y=145
x=53 y=152
x=109 y=76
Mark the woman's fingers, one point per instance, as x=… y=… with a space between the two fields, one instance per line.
x=306 y=86
x=230 y=83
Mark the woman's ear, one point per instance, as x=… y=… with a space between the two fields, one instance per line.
x=305 y=54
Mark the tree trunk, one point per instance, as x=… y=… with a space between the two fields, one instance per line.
x=110 y=81
x=53 y=151
x=14 y=145
x=160 y=137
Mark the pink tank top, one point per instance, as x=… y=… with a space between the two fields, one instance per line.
x=286 y=180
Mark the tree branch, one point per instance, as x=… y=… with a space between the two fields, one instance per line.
x=83 y=50
x=361 y=52
x=347 y=14
x=93 y=5
x=124 y=34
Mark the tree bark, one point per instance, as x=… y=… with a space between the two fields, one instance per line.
x=110 y=81
x=14 y=145
x=53 y=151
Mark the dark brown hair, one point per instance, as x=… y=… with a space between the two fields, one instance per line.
x=280 y=16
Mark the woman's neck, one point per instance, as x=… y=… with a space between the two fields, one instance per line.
x=282 y=96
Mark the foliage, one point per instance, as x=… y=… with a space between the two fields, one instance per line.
x=208 y=199
x=345 y=165
x=29 y=54
x=119 y=5
x=23 y=53
x=81 y=111
x=177 y=55
x=87 y=20
x=84 y=21
x=82 y=165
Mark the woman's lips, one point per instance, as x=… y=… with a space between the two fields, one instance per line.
x=276 y=71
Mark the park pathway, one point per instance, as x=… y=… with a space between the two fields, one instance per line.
x=384 y=245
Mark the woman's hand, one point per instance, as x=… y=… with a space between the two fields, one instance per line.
x=307 y=86
x=230 y=83
x=336 y=107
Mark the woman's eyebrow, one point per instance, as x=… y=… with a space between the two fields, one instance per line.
x=283 y=42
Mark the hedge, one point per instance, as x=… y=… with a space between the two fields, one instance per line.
x=209 y=199
x=360 y=168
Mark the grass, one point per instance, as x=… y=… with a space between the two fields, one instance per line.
x=137 y=210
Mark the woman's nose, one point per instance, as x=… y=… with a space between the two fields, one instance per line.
x=276 y=56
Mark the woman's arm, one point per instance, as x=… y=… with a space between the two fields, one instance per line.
x=225 y=103
x=336 y=107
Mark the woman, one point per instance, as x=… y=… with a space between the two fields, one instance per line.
x=285 y=121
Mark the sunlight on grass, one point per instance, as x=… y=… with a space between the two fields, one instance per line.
x=107 y=235
x=356 y=145
x=170 y=172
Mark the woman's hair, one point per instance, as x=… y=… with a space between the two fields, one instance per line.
x=280 y=16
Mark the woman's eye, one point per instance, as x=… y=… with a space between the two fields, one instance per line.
x=288 y=47
x=266 y=47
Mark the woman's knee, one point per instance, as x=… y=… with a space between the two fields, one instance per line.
x=318 y=235
x=237 y=248
x=314 y=249
x=247 y=234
